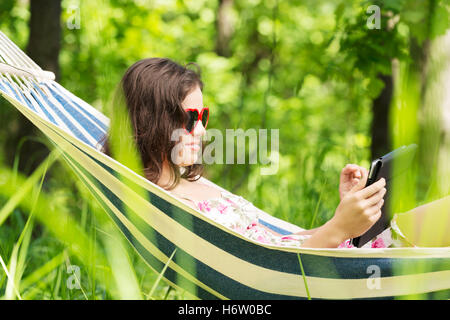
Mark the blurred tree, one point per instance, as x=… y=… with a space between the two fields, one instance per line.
x=224 y=27
x=44 y=41
x=381 y=142
x=429 y=43
x=43 y=47
x=372 y=50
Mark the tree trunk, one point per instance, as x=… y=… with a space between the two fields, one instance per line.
x=434 y=117
x=43 y=47
x=44 y=40
x=381 y=143
x=224 y=28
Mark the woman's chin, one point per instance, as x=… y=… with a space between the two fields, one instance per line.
x=189 y=160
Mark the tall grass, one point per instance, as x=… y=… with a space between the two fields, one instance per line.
x=67 y=254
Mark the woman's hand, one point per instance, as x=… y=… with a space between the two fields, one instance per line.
x=350 y=176
x=360 y=208
x=357 y=212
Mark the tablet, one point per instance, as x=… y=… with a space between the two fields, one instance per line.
x=382 y=168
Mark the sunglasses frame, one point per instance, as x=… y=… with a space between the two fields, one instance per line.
x=200 y=118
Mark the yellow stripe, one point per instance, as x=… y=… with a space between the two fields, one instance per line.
x=388 y=286
x=253 y=276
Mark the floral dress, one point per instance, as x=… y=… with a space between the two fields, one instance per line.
x=240 y=215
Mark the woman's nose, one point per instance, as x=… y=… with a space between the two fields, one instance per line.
x=199 y=129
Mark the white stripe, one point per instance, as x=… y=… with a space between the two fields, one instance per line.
x=82 y=107
x=75 y=123
x=26 y=61
x=87 y=107
x=59 y=123
x=12 y=56
x=26 y=72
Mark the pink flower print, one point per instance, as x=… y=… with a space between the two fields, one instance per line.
x=204 y=205
x=379 y=243
x=228 y=200
x=251 y=225
x=287 y=238
x=346 y=244
x=222 y=208
x=261 y=239
x=239 y=229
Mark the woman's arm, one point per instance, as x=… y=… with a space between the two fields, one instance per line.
x=326 y=236
x=307 y=232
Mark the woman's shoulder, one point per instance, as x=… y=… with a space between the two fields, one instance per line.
x=202 y=191
x=196 y=191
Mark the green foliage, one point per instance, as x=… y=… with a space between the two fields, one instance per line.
x=308 y=68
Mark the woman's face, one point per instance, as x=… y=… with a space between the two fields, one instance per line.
x=190 y=143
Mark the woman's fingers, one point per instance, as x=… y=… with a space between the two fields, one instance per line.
x=374 y=210
x=370 y=190
x=377 y=197
x=360 y=185
x=376 y=216
x=349 y=168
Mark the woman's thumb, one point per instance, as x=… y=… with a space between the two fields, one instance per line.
x=361 y=183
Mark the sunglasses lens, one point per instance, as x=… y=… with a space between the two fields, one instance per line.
x=205 y=116
x=193 y=117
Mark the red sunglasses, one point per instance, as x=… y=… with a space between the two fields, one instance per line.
x=195 y=117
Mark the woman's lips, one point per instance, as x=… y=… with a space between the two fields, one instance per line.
x=194 y=146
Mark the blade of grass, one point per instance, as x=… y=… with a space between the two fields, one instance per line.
x=27 y=186
x=39 y=273
x=56 y=219
x=57 y=284
x=19 y=147
x=155 y=285
x=39 y=286
x=318 y=204
x=23 y=245
x=303 y=275
x=78 y=280
x=169 y=289
x=17 y=262
x=123 y=272
x=10 y=285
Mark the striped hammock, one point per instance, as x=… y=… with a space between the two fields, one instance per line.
x=210 y=261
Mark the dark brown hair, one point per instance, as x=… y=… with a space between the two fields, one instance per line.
x=153 y=90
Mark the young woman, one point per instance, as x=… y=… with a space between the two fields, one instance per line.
x=163 y=97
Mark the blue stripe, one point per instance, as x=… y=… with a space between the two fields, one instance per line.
x=91 y=128
x=47 y=114
x=274 y=228
x=61 y=116
x=24 y=98
x=57 y=91
x=12 y=90
x=28 y=102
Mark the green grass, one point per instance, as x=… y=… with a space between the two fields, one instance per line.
x=53 y=246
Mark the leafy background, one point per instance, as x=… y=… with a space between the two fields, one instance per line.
x=312 y=69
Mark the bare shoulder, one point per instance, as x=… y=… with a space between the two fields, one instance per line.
x=197 y=191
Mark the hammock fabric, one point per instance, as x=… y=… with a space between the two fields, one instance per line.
x=210 y=261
